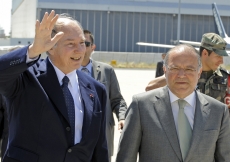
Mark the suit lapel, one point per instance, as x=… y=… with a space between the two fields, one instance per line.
x=96 y=70
x=49 y=81
x=87 y=95
x=201 y=115
x=165 y=115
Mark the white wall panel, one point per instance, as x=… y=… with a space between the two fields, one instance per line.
x=23 y=19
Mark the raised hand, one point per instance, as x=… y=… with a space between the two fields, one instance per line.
x=43 y=41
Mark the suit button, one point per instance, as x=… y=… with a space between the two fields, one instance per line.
x=68 y=129
x=69 y=150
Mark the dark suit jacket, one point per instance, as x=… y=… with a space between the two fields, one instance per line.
x=105 y=74
x=38 y=121
x=159 y=69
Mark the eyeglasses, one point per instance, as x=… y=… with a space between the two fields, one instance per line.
x=176 y=70
x=87 y=44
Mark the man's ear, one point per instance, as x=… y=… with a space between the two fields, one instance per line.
x=51 y=51
x=199 y=72
x=93 y=47
x=204 y=53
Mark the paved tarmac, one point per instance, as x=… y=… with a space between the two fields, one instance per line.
x=131 y=82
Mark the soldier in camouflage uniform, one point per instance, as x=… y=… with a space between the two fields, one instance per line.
x=214 y=79
x=214 y=83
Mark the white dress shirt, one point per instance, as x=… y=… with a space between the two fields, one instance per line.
x=189 y=109
x=75 y=91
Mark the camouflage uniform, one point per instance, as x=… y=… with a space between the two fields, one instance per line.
x=214 y=84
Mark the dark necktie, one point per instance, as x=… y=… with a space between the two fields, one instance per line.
x=70 y=105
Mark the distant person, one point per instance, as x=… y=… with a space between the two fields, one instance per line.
x=175 y=123
x=55 y=113
x=159 y=68
x=214 y=79
x=105 y=74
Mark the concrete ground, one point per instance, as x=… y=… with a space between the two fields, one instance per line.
x=131 y=82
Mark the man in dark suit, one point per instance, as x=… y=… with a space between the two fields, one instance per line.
x=159 y=68
x=55 y=113
x=105 y=74
x=176 y=123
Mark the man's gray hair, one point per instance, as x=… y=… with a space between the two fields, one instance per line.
x=186 y=47
x=60 y=24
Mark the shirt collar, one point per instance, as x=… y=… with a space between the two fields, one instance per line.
x=218 y=72
x=60 y=75
x=190 y=99
x=88 y=66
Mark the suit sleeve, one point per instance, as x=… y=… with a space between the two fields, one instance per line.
x=222 y=152
x=101 y=151
x=12 y=65
x=117 y=101
x=131 y=135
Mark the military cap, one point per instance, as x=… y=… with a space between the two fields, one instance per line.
x=215 y=43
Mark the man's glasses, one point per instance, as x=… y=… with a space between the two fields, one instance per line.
x=87 y=44
x=176 y=70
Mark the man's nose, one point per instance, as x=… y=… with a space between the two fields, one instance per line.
x=181 y=72
x=80 y=48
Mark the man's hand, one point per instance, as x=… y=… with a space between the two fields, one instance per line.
x=43 y=41
x=121 y=124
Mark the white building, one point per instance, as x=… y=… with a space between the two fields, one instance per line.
x=119 y=24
